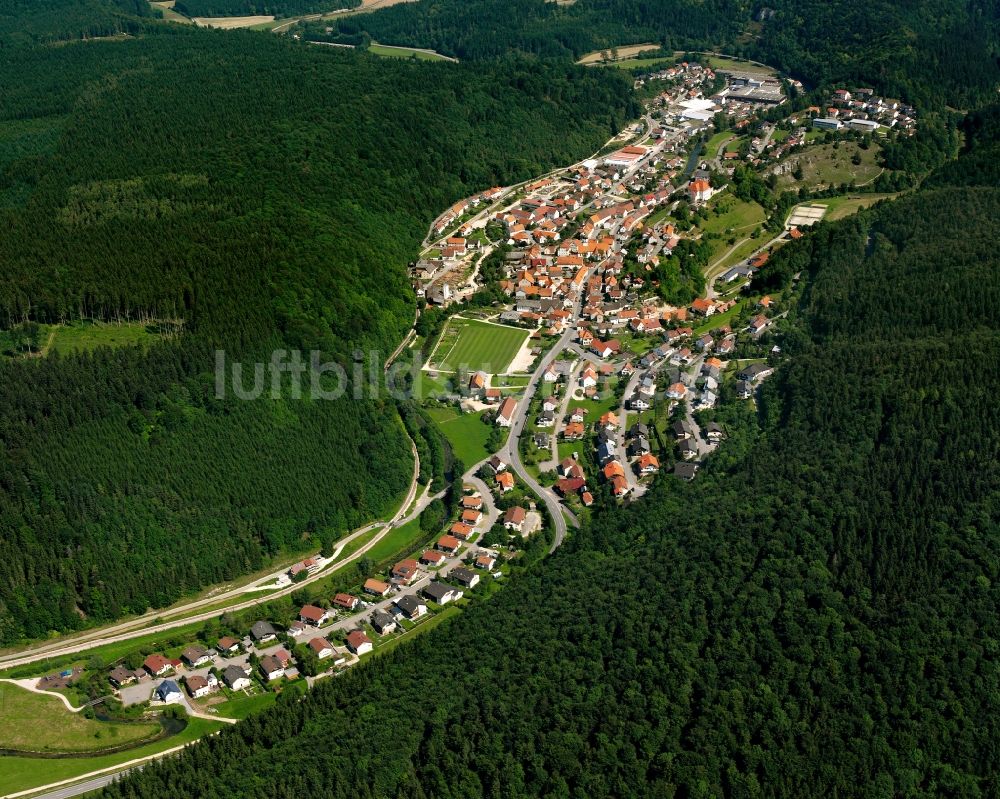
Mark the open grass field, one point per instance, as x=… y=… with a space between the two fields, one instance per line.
x=738 y=65
x=720 y=319
x=654 y=62
x=618 y=53
x=24 y=773
x=840 y=207
x=826 y=165
x=731 y=217
x=743 y=249
x=477 y=346
x=428 y=386
x=230 y=23
x=389 y=51
x=423 y=626
x=713 y=144
x=167 y=9
x=466 y=432
x=86 y=336
x=404 y=537
x=241 y=706
x=43 y=724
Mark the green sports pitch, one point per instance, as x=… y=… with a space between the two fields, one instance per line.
x=477 y=346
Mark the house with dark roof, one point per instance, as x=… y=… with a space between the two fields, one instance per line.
x=411 y=607
x=263 y=632
x=168 y=693
x=120 y=676
x=236 y=678
x=440 y=593
x=464 y=577
x=196 y=655
x=271 y=668
x=685 y=471
x=382 y=622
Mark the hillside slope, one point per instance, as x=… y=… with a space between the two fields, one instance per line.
x=263 y=195
x=815 y=616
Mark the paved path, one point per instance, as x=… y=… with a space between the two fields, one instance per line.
x=31 y=685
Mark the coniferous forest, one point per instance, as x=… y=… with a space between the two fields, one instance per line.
x=814 y=616
x=259 y=194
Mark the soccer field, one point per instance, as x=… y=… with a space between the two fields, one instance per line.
x=477 y=346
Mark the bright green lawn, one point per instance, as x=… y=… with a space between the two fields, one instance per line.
x=720 y=319
x=242 y=706
x=396 y=540
x=42 y=723
x=733 y=215
x=86 y=336
x=713 y=144
x=404 y=52
x=738 y=65
x=23 y=773
x=839 y=207
x=478 y=346
x=466 y=432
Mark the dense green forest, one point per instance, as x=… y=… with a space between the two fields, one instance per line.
x=814 y=616
x=263 y=194
x=239 y=8
x=926 y=52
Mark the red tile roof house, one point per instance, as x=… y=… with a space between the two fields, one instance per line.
x=448 y=544
x=471 y=517
x=514 y=518
x=346 y=601
x=472 y=503
x=310 y=614
x=432 y=558
x=228 y=644
x=505 y=416
x=284 y=657
x=359 y=643
x=321 y=647
x=157 y=665
x=405 y=571
x=376 y=587
x=505 y=481
x=460 y=530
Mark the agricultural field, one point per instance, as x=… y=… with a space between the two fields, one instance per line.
x=167 y=9
x=619 y=53
x=34 y=722
x=466 y=432
x=830 y=165
x=477 y=346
